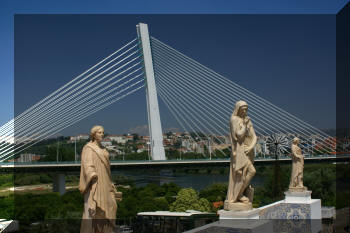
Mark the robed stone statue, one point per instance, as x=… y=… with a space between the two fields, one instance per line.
x=243 y=140
x=100 y=194
x=296 y=179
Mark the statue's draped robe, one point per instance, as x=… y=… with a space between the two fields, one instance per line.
x=297 y=167
x=99 y=196
x=239 y=161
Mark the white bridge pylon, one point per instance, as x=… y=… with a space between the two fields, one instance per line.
x=154 y=124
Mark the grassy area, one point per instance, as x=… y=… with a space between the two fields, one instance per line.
x=6 y=181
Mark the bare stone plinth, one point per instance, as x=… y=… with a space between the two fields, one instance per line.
x=297 y=189
x=237 y=206
x=297 y=196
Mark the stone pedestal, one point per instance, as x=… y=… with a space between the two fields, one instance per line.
x=238 y=206
x=297 y=196
x=304 y=199
x=245 y=214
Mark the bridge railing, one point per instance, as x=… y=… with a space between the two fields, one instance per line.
x=77 y=163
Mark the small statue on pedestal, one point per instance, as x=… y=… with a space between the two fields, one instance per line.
x=296 y=179
x=243 y=140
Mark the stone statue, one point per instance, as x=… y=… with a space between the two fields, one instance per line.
x=100 y=194
x=296 y=179
x=243 y=140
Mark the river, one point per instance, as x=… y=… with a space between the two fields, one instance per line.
x=182 y=179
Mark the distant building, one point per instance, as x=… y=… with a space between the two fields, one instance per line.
x=129 y=137
x=186 y=143
x=261 y=147
x=117 y=138
x=106 y=142
x=79 y=137
x=167 y=142
x=141 y=148
x=28 y=158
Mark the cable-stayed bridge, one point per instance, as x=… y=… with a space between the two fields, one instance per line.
x=200 y=100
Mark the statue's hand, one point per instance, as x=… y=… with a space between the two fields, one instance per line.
x=246 y=149
x=118 y=196
x=234 y=154
x=246 y=120
x=242 y=125
x=94 y=179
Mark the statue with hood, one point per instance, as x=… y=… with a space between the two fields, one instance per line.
x=100 y=194
x=243 y=139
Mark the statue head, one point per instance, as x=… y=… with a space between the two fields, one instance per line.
x=241 y=109
x=296 y=140
x=96 y=133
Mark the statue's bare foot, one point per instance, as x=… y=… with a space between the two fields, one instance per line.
x=244 y=199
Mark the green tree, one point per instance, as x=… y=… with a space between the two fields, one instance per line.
x=215 y=192
x=265 y=195
x=7 y=207
x=6 y=180
x=187 y=199
x=321 y=179
x=135 y=137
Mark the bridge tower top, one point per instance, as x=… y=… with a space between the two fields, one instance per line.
x=155 y=127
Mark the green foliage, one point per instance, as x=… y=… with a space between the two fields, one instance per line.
x=149 y=198
x=21 y=179
x=137 y=156
x=161 y=203
x=65 y=152
x=26 y=179
x=267 y=193
x=6 y=180
x=343 y=187
x=29 y=208
x=187 y=199
x=7 y=207
x=122 y=180
x=39 y=207
x=321 y=180
x=135 y=137
x=192 y=155
x=49 y=148
x=215 y=192
x=172 y=154
x=171 y=192
x=45 y=179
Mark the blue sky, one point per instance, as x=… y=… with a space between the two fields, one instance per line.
x=9 y=8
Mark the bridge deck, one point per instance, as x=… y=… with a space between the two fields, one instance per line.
x=160 y=163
